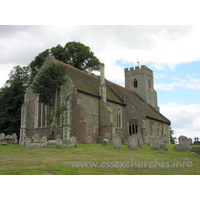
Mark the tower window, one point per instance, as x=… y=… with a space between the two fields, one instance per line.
x=135 y=83
x=149 y=84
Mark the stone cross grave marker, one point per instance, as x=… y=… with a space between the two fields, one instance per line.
x=165 y=141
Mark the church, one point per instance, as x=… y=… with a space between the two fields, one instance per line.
x=98 y=107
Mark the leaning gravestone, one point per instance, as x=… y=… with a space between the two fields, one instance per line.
x=133 y=142
x=117 y=143
x=89 y=140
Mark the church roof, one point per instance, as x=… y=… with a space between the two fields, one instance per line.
x=89 y=84
x=137 y=101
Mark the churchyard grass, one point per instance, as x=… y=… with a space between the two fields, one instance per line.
x=16 y=159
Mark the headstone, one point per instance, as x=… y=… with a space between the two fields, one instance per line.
x=99 y=140
x=15 y=138
x=195 y=149
x=43 y=139
x=36 y=138
x=60 y=144
x=51 y=143
x=155 y=146
x=38 y=144
x=180 y=147
x=133 y=142
x=158 y=143
x=190 y=141
x=107 y=136
x=140 y=138
x=117 y=143
x=2 y=137
x=184 y=141
x=105 y=139
x=146 y=140
x=104 y=143
x=165 y=148
x=27 y=142
x=89 y=140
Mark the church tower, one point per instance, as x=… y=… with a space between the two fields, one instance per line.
x=140 y=80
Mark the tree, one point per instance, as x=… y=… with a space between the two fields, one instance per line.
x=173 y=140
x=11 y=100
x=81 y=57
x=48 y=85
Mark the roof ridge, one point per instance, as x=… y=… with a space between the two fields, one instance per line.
x=122 y=87
x=77 y=69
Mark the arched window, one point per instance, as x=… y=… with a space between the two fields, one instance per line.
x=135 y=83
x=133 y=127
x=119 y=118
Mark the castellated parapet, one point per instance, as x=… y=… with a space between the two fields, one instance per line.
x=137 y=70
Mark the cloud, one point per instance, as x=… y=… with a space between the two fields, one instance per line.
x=162 y=46
x=185 y=119
x=188 y=83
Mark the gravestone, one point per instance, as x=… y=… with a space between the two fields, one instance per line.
x=99 y=140
x=107 y=136
x=51 y=143
x=117 y=143
x=105 y=139
x=183 y=144
x=27 y=141
x=104 y=143
x=195 y=149
x=15 y=138
x=89 y=140
x=158 y=143
x=2 y=137
x=36 y=138
x=140 y=138
x=146 y=140
x=165 y=148
x=190 y=141
x=133 y=142
x=184 y=141
x=43 y=139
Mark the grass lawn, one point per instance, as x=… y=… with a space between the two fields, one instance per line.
x=16 y=159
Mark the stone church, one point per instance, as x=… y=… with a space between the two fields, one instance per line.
x=96 y=106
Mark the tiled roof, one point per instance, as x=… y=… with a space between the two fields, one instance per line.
x=90 y=84
x=137 y=101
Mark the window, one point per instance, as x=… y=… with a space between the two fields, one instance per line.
x=135 y=83
x=133 y=128
x=42 y=114
x=119 y=118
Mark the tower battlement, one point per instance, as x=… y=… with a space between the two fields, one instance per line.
x=138 y=70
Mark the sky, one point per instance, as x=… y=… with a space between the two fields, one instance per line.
x=172 y=52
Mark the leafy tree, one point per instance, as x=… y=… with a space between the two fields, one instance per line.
x=173 y=140
x=48 y=85
x=11 y=100
x=81 y=57
x=36 y=64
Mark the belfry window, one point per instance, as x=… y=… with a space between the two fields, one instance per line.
x=135 y=83
x=149 y=84
x=119 y=118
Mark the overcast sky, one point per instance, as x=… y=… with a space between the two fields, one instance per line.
x=172 y=52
